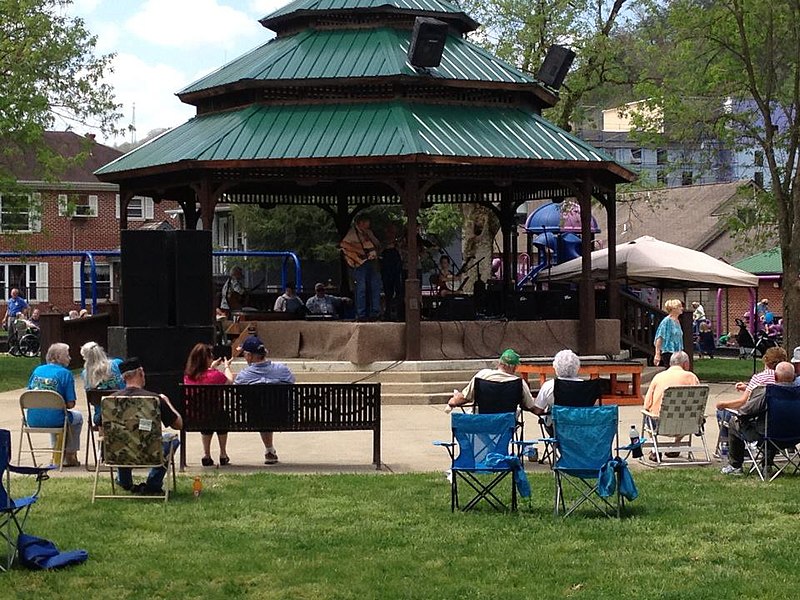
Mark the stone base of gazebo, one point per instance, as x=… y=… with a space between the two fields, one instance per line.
x=364 y=343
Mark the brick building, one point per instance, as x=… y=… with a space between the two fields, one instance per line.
x=77 y=213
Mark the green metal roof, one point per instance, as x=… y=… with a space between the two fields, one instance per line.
x=360 y=130
x=328 y=5
x=356 y=53
x=765 y=263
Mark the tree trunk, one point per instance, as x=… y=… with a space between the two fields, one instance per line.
x=480 y=229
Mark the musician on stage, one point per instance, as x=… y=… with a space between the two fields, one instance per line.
x=361 y=248
x=450 y=282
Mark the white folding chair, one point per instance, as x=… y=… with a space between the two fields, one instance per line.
x=682 y=417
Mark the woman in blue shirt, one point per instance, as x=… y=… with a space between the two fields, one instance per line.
x=100 y=372
x=669 y=335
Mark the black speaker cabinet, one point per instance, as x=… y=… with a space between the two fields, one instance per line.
x=526 y=306
x=457 y=308
x=555 y=66
x=194 y=302
x=558 y=304
x=146 y=265
x=427 y=42
x=164 y=382
x=159 y=348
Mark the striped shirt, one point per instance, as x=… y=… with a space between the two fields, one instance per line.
x=765 y=377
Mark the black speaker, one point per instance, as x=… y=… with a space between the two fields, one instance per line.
x=164 y=382
x=457 y=308
x=194 y=301
x=159 y=348
x=558 y=304
x=555 y=66
x=526 y=307
x=427 y=42
x=146 y=264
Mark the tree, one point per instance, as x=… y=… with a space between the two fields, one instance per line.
x=731 y=75
x=48 y=70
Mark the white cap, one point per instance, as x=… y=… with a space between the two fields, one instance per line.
x=796 y=355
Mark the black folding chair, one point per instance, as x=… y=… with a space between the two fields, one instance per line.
x=577 y=394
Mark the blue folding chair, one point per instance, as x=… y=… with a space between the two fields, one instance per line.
x=583 y=446
x=14 y=511
x=485 y=458
x=781 y=432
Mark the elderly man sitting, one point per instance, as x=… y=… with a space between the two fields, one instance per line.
x=566 y=365
x=505 y=371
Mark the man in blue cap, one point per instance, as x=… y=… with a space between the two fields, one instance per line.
x=261 y=370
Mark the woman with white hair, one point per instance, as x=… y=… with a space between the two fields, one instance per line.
x=55 y=376
x=566 y=365
x=669 y=335
x=100 y=372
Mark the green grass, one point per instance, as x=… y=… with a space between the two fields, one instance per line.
x=691 y=534
x=15 y=371
x=710 y=370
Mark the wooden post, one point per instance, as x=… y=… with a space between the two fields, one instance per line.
x=612 y=286
x=411 y=198
x=124 y=199
x=507 y=219
x=587 y=336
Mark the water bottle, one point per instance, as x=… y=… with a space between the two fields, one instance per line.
x=197 y=487
x=634 y=434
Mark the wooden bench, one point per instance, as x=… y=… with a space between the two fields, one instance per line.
x=282 y=407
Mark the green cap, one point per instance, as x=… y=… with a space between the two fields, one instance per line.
x=509 y=357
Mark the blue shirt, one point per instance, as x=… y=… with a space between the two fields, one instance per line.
x=114 y=382
x=16 y=306
x=671 y=335
x=265 y=372
x=58 y=379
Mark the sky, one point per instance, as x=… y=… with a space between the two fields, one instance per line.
x=163 y=45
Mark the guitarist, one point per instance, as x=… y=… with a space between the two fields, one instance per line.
x=361 y=248
x=233 y=292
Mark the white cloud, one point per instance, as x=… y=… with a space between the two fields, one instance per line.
x=264 y=7
x=152 y=88
x=192 y=23
x=83 y=7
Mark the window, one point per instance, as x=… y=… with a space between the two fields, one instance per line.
x=636 y=156
x=661 y=157
x=77 y=205
x=29 y=278
x=758 y=178
x=758 y=158
x=687 y=177
x=140 y=208
x=104 y=273
x=19 y=213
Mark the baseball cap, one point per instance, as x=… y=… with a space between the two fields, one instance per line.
x=254 y=345
x=509 y=357
x=796 y=355
x=319 y=286
x=130 y=364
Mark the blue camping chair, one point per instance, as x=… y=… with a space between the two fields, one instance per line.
x=14 y=511
x=583 y=446
x=485 y=458
x=781 y=432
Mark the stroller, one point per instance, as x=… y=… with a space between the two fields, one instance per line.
x=23 y=340
x=750 y=346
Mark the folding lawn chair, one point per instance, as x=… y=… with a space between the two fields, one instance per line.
x=93 y=398
x=49 y=400
x=584 y=438
x=484 y=458
x=583 y=393
x=781 y=432
x=682 y=416
x=14 y=511
x=132 y=439
x=494 y=397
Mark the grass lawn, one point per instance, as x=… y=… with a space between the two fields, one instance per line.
x=711 y=370
x=691 y=534
x=15 y=371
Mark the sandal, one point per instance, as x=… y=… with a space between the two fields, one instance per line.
x=224 y=460
x=207 y=461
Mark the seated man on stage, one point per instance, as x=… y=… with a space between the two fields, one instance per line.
x=323 y=304
x=289 y=302
x=505 y=371
x=449 y=281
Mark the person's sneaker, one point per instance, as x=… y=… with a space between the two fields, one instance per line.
x=731 y=470
x=270 y=457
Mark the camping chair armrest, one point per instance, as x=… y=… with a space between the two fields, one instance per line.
x=548 y=440
x=634 y=446
x=733 y=411
x=39 y=471
x=445 y=444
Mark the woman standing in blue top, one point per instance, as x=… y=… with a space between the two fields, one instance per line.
x=669 y=335
x=55 y=376
x=100 y=372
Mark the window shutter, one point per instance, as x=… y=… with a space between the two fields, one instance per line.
x=93 y=205
x=35 y=214
x=147 y=208
x=63 y=205
x=76 y=281
x=42 y=290
x=116 y=209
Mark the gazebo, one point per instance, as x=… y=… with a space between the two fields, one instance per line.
x=332 y=113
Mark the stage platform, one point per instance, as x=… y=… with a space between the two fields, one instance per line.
x=365 y=343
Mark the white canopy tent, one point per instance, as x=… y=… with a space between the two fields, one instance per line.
x=649 y=262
